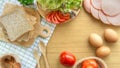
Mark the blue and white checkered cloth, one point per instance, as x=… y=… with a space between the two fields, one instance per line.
x=25 y=54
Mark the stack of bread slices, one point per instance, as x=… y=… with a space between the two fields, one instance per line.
x=17 y=24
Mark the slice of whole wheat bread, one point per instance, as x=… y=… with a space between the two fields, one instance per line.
x=33 y=20
x=8 y=7
x=16 y=24
x=2 y=35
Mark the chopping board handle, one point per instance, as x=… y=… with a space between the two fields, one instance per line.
x=45 y=32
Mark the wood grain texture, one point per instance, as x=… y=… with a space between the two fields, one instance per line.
x=73 y=37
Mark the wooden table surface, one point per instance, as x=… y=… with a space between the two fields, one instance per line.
x=73 y=37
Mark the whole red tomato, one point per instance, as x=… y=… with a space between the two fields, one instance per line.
x=91 y=63
x=67 y=58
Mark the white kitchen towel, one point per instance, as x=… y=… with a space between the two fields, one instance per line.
x=25 y=54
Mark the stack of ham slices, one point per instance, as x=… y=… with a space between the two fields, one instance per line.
x=108 y=11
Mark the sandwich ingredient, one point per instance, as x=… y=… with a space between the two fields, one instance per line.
x=50 y=4
x=90 y=63
x=103 y=51
x=16 y=24
x=26 y=2
x=96 y=4
x=69 y=5
x=29 y=13
x=107 y=12
x=63 y=5
x=2 y=35
x=103 y=17
x=110 y=8
x=31 y=17
x=114 y=20
x=67 y=58
x=87 y=5
x=94 y=12
x=57 y=17
x=68 y=9
x=110 y=35
x=95 y=40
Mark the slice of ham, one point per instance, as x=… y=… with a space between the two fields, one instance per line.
x=108 y=11
x=87 y=6
x=114 y=20
x=111 y=7
x=94 y=12
x=103 y=17
x=96 y=4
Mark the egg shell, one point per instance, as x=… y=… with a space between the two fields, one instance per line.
x=103 y=51
x=110 y=35
x=95 y=40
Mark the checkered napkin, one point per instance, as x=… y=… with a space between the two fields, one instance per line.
x=25 y=54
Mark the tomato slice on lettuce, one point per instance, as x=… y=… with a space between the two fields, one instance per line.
x=48 y=17
x=55 y=18
x=67 y=16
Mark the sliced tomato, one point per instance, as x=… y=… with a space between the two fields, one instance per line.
x=55 y=19
x=67 y=16
x=52 y=17
x=58 y=18
x=48 y=17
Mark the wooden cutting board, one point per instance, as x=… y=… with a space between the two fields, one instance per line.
x=73 y=37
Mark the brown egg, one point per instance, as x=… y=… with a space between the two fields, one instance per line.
x=110 y=35
x=103 y=51
x=95 y=40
